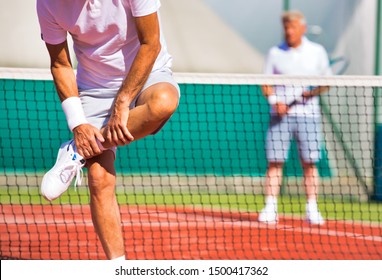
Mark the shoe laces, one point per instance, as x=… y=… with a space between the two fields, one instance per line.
x=73 y=168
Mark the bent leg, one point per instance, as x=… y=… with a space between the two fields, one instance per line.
x=103 y=203
x=154 y=107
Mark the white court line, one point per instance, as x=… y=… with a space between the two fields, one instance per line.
x=180 y=220
x=254 y=225
x=198 y=219
x=202 y=212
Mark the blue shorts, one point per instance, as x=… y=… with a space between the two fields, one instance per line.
x=305 y=130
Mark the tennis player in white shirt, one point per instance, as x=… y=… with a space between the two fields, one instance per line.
x=123 y=91
x=295 y=113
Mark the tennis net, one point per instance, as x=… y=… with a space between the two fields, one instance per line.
x=194 y=190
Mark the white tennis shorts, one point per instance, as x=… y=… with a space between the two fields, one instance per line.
x=98 y=103
x=305 y=130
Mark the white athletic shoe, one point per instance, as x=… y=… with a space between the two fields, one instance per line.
x=58 y=179
x=313 y=215
x=268 y=215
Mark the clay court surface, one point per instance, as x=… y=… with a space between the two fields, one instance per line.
x=180 y=232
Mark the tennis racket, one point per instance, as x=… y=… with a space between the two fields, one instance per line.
x=272 y=100
x=298 y=100
x=338 y=64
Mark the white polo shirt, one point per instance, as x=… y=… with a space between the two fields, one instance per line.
x=104 y=36
x=308 y=59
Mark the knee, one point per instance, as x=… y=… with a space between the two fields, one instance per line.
x=101 y=184
x=309 y=168
x=163 y=104
x=275 y=165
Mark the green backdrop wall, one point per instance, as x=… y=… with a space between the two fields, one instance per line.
x=217 y=129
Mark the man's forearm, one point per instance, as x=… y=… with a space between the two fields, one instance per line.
x=138 y=74
x=65 y=81
x=316 y=91
x=67 y=90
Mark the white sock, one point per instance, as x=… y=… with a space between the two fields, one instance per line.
x=312 y=205
x=121 y=258
x=271 y=201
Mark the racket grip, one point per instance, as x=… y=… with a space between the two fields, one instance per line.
x=297 y=100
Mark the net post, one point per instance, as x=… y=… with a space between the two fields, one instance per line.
x=378 y=162
x=378 y=119
x=377 y=147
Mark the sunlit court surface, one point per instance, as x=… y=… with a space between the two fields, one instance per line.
x=180 y=233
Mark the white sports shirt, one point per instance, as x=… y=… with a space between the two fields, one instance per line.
x=104 y=36
x=307 y=59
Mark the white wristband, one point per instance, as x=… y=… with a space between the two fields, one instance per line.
x=272 y=99
x=74 y=112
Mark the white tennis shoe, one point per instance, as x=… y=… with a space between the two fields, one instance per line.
x=268 y=215
x=68 y=165
x=313 y=215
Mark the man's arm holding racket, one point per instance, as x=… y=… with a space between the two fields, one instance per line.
x=281 y=108
x=306 y=95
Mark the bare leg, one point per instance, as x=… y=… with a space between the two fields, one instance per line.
x=155 y=106
x=311 y=181
x=274 y=179
x=104 y=208
x=272 y=189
